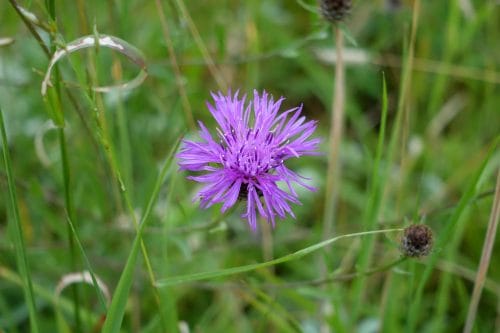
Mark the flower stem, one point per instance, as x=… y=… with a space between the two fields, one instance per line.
x=336 y=130
x=333 y=171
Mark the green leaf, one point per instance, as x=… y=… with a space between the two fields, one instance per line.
x=19 y=244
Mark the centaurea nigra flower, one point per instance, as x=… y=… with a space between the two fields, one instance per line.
x=247 y=159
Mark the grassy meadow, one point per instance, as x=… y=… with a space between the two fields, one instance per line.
x=98 y=228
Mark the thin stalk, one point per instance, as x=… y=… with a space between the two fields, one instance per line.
x=333 y=170
x=201 y=45
x=125 y=143
x=252 y=267
x=68 y=205
x=73 y=239
x=336 y=130
x=100 y=295
x=489 y=241
x=19 y=245
x=175 y=66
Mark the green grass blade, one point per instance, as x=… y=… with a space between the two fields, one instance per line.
x=247 y=268
x=19 y=245
x=71 y=232
x=100 y=295
x=116 y=310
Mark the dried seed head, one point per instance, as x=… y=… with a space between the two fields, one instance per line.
x=335 y=10
x=416 y=241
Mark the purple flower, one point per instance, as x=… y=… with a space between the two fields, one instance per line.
x=247 y=160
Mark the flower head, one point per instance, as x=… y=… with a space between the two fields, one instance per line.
x=416 y=241
x=246 y=160
x=335 y=10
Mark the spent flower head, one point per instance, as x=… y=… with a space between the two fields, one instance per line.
x=335 y=10
x=246 y=160
x=416 y=241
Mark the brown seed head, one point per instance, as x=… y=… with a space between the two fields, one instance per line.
x=416 y=241
x=335 y=10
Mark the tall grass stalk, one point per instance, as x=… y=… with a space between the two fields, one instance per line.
x=19 y=243
x=489 y=241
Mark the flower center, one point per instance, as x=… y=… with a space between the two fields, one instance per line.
x=251 y=154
